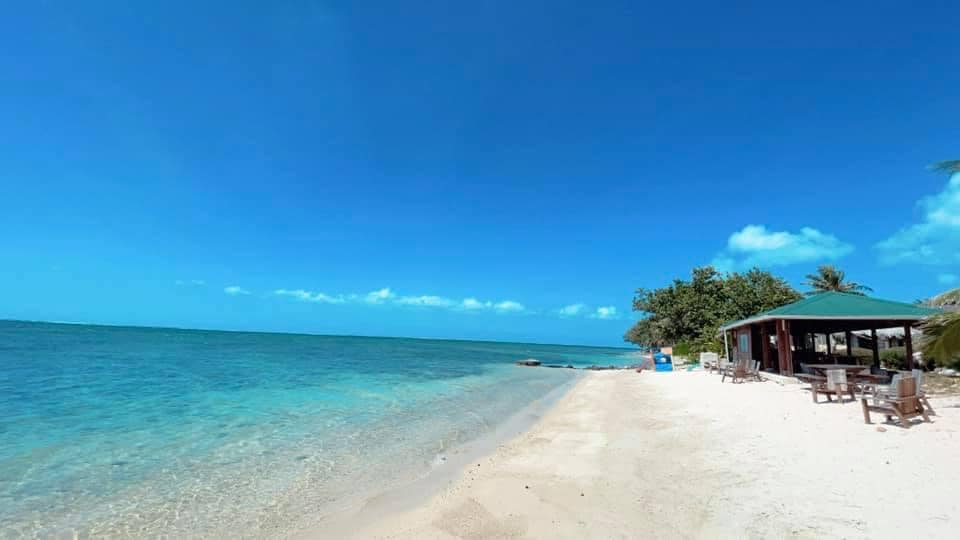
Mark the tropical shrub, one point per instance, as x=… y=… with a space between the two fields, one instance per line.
x=894 y=359
x=691 y=312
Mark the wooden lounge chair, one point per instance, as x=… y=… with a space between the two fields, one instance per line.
x=709 y=361
x=921 y=394
x=901 y=402
x=736 y=371
x=838 y=385
x=722 y=365
x=754 y=370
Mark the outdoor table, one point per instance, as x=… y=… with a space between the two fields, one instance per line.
x=851 y=369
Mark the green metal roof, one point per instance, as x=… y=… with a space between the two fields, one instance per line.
x=838 y=305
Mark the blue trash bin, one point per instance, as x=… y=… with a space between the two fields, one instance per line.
x=662 y=362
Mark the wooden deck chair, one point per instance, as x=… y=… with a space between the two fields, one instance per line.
x=754 y=371
x=838 y=385
x=902 y=402
x=709 y=361
x=892 y=387
x=921 y=394
x=722 y=365
x=736 y=371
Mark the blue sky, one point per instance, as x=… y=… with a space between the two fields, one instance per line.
x=495 y=170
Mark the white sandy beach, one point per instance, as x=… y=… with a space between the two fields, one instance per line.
x=680 y=455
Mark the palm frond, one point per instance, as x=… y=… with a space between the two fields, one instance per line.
x=830 y=278
x=950 y=166
x=942 y=336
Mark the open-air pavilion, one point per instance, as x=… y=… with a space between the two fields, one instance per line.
x=785 y=337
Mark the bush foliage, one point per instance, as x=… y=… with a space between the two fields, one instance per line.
x=691 y=312
x=894 y=359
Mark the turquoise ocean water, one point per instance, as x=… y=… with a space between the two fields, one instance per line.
x=142 y=431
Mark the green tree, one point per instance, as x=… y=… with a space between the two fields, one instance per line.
x=755 y=291
x=829 y=278
x=642 y=333
x=691 y=312
x=684 y=310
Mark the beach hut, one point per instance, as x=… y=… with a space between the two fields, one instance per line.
x=789 y=335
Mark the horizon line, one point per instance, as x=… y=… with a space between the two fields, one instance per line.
x=288 y=333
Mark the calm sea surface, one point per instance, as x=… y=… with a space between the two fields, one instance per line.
x=139 y=431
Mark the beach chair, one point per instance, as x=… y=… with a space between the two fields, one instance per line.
x=902 y=401
x=736 y=371
x=838 y=385
x=752 y=370
x=722 y=365
x=921 y=394
x=708 y=361
x=882 y=389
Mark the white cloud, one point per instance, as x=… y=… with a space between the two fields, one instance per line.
x=387 y=296
x=379 y=296
x=754 y=245
x=509 y=305
x=308 y=296
x=426 y=301
x=235 y=290
x=947 y=279
x=571 y=310
x=604 y=312
x=936 y=239
x=474 y=304
x=194 y=282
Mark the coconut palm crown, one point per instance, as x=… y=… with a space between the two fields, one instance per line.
x=951 y=166
x=943 y=331
x=829 y=278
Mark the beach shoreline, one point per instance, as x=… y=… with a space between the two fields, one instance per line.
x=682 y=455
x=351 y=516
x=144 y=432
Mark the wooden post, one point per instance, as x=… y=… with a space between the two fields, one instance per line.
x=876 y=348
x=829 y=351
x=765 y=344
x=908 y=343
x=726 y=345
x=787 y=347
x=848 y=335
x=779 y=336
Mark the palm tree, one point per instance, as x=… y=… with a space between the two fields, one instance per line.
x=943 y=331
x=951 y=166
x=829 y=278
x=942 y=336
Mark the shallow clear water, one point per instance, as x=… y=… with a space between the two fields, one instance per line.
x=137 y=431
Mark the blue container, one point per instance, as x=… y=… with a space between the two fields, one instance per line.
x=662 y=362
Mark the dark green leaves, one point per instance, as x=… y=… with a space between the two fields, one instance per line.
x=691 y=312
